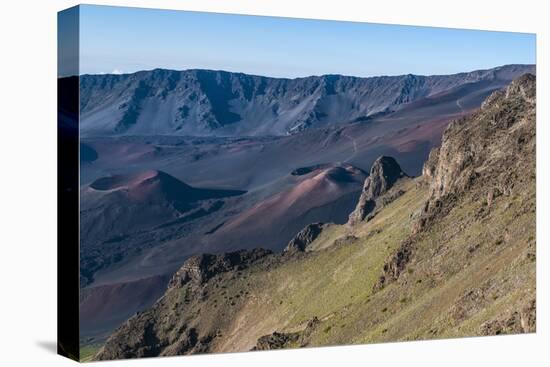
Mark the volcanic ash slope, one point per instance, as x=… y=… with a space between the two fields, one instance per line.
x=447 y=254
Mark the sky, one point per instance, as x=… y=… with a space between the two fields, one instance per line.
x=125 y=40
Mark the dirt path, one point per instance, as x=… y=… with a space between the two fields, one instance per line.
x=354 y=142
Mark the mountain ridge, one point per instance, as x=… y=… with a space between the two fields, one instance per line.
x=200 y=102
x=306 y=76
x=411 y=272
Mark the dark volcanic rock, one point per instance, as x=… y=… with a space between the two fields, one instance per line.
x=485 y=162
x=384 y=173
x=517 y=321
x=144 y=341
x=200 y=268
x=115 y=208
x=304 y=238
x=481 y=154
x=485 y=148
x=395 y=265
x=278 y=340
x=148 y=334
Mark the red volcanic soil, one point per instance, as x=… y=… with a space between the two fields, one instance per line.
x=153 y=221
x=114 y=207
x=322 y=195
x=125 y=181
x=104 y=307
x=155 y=184
x=140 y=185
x=146 y=184
x=408 y=139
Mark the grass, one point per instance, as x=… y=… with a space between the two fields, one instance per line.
x=334 y=283
x=439 y=309
x=330 y=279
x=323 y=283
x=87 y=352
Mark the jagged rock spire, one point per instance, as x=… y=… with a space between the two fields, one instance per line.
x=384 y=173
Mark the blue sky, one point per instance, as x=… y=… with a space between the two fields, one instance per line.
x=116 y=39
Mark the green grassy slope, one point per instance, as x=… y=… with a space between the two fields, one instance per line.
x=471 y=269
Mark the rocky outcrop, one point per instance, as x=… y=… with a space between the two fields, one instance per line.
x=304 y=238
x=145 y=340
x=517 y=321
x=488 y=147
x=200 y=268
x=486 y=164
x=158 y=331
x=384 y=173
x=394 y=266
x=481 y=154
x=278 y=340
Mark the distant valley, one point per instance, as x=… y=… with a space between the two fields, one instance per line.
x=447 y=254
x=180 y=163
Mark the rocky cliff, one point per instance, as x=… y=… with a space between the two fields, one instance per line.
x=453 y=255
x=200 y=268
x=385 y=172
x=493 y=148
x=304 y=238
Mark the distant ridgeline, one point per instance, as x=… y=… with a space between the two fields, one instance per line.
x=219 y=103
x=448 y=254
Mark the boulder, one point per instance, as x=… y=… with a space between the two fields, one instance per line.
x=200 y=268
x=304 y=238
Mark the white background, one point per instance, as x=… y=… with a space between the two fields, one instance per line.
x=28 y=182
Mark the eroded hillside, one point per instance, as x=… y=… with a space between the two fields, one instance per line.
x=448 y=254
x=218 y=103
